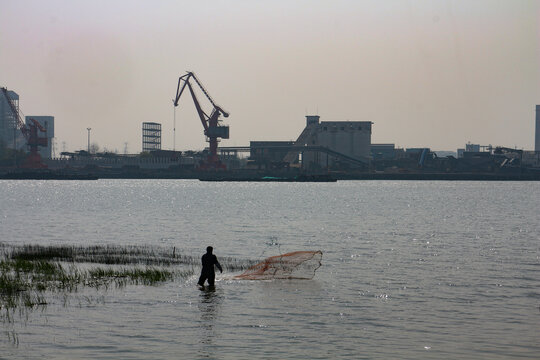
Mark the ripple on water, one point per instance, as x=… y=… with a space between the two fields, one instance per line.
x=410 y=269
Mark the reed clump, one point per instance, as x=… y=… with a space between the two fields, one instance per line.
x=23 y=282
x=28 y=272
x=106 y=254
x=144 y=276
x=27 y=276
x=118 y=255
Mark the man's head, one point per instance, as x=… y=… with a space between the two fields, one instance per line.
x=209 y=249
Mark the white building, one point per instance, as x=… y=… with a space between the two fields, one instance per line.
x=350 y=138
x=48 y=123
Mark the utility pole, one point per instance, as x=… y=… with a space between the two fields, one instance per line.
x=89 y=139
x=174 y=129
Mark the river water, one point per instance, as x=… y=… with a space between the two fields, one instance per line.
x=410 y=269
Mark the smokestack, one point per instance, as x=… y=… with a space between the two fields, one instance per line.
x=537 y=132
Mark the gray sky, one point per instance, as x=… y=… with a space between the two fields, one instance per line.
x=433 y=73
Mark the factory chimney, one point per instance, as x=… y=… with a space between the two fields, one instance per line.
x=537 y=132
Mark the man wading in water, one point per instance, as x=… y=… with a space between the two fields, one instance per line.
x=207 y=272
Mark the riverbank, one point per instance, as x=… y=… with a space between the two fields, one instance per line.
x=259 y=176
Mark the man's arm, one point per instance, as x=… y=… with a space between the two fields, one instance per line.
x=218 y=265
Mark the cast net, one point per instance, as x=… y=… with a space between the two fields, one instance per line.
x=293 y=265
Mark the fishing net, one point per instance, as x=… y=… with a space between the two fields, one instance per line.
x=293 y=265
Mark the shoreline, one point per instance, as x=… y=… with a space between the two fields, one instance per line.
x=250 y=176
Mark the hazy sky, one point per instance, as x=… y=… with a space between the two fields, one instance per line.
x=433 y=73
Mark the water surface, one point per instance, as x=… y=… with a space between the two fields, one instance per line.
x=410 y=269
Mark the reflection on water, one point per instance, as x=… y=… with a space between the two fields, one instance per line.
x=280 y=291
x=210 y=300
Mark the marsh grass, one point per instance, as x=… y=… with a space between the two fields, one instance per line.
x=29 y=272
x=118 y=255
x=23 y=281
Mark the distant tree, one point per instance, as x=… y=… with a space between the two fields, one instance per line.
x=108 y=151
x=94 y=148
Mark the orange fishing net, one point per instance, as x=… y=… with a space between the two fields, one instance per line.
x=293 y=265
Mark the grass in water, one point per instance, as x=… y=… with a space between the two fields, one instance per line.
x=117 y=255
x=28 y=272
x=24 y=280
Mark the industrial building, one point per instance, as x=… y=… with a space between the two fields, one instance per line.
x=323 y=147
x=531 y=159
x=47 y=122
x=383 y=151
x=269 y=154
x=10 y=136
x=151 y=136
x=351 y=139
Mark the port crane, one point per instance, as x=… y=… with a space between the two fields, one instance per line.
x=30 y=132
x=212 y=129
